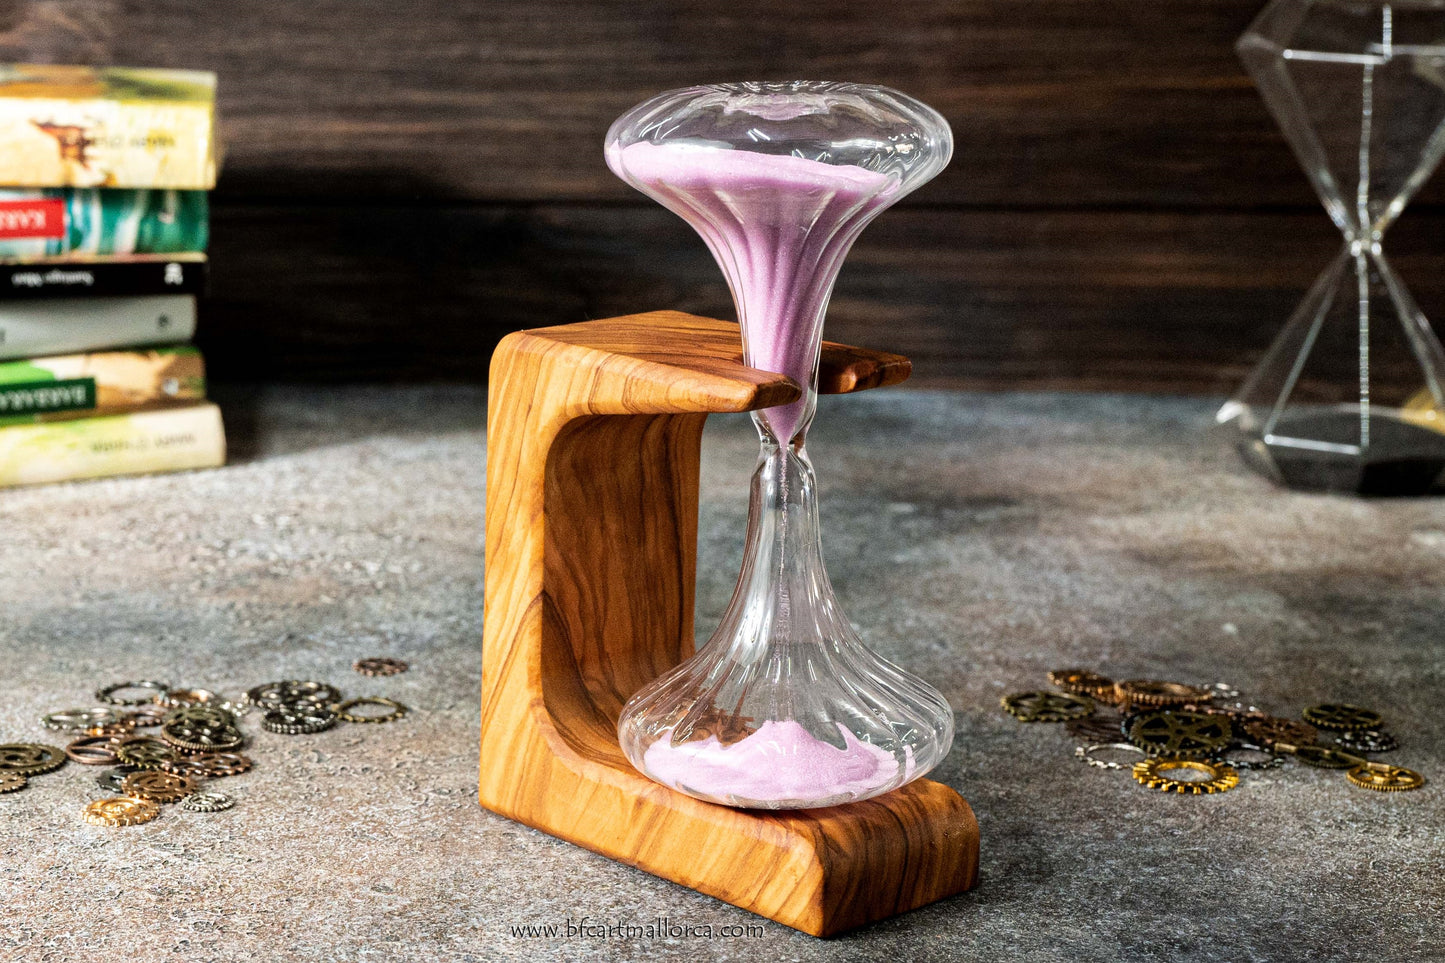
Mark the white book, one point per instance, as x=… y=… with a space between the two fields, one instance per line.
x=167 y=439
x=67 y=325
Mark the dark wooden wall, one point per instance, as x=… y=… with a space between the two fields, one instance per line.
x=407 y=180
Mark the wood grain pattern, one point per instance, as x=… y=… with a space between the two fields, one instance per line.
x=592 y=475
x=1055 y=102
x=1115 y=300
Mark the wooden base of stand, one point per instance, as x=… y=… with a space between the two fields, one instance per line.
x=593 y=440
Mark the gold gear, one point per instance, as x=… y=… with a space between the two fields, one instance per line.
x=1182 y=735
x=122 y=811
x=1046 y=706
x=1151 y=692
x=1152 y=773
x=1343 y=717
x=12 y=782
x=1383 y=778
x=1083 y=682
x=155 y=786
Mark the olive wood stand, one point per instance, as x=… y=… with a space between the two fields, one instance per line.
x=593 y=440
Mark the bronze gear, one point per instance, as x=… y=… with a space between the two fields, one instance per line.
x=1152 y=692
x=1178 y=734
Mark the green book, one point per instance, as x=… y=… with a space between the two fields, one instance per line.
x=82 y=222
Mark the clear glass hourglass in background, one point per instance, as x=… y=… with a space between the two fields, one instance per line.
x=784 y=707
x=1349 y=397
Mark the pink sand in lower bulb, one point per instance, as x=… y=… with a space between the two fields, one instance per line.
x=779 y=226
x=779 y=763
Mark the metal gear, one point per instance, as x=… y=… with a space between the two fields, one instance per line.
x=1097 y=728
x=204 y=714
x=176 y=698
x=122 y=811
x=1083 y=682
x=1272 y=729
x=1341 y=716
x=144 y=752
x=207 y=802
x=30 y=759
x=93 y=751
x=1151 y=692
x=1088 y=754
x=1046 y=706
x=395 y=710
x=1367 y=740
x=1185 y=735
x=146 y=717
x=299 y=719
x=1383 y=778
x=209 y=765
x=1262 y=758
x=107 y=694
x=1321 y=757
x=1154 y=773
x=112 y=779
x=274 y=695
x=121 y=729
x=379 y=666
x=81 y=718
x=161 y=787
x=189 y=736
x=12 y=782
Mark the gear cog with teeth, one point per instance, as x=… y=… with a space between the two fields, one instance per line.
x=1342 y=717
x=1185 y=735
x=1155 y=773
x=1046 y=706
x=1383 y=778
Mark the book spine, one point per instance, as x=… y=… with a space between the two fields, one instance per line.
x=70 y=222
x=100 y=383
x=64 y=142
x=72 y=325
x=173 y=439
x=120 y=278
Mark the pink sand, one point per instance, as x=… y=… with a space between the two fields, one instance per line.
x=779 y=763
x=780 y=227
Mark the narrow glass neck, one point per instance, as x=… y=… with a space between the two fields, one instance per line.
x=783 y=594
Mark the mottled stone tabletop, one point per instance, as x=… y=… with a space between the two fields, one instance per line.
x=979 y=540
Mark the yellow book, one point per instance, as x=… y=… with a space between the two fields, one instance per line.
x=172 y=439
x=64 y=126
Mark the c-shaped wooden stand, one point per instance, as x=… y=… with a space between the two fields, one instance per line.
x=593 y=439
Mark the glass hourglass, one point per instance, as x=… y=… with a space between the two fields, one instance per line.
x=784 y=707
x=1351 y=395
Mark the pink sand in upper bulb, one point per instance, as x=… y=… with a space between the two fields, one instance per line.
x=780 y=227
x=779 y=763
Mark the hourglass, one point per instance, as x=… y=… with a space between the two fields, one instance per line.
x=784 y=707
x=778 y=768
x=1351 y=395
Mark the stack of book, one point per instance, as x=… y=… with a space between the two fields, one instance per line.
x=104 y=218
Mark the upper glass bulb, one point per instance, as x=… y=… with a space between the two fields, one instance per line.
x=779 y=179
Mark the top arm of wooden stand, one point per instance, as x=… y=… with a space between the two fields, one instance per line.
x=667 y=361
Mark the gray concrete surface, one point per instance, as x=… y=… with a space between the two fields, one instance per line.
x=977 y=540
